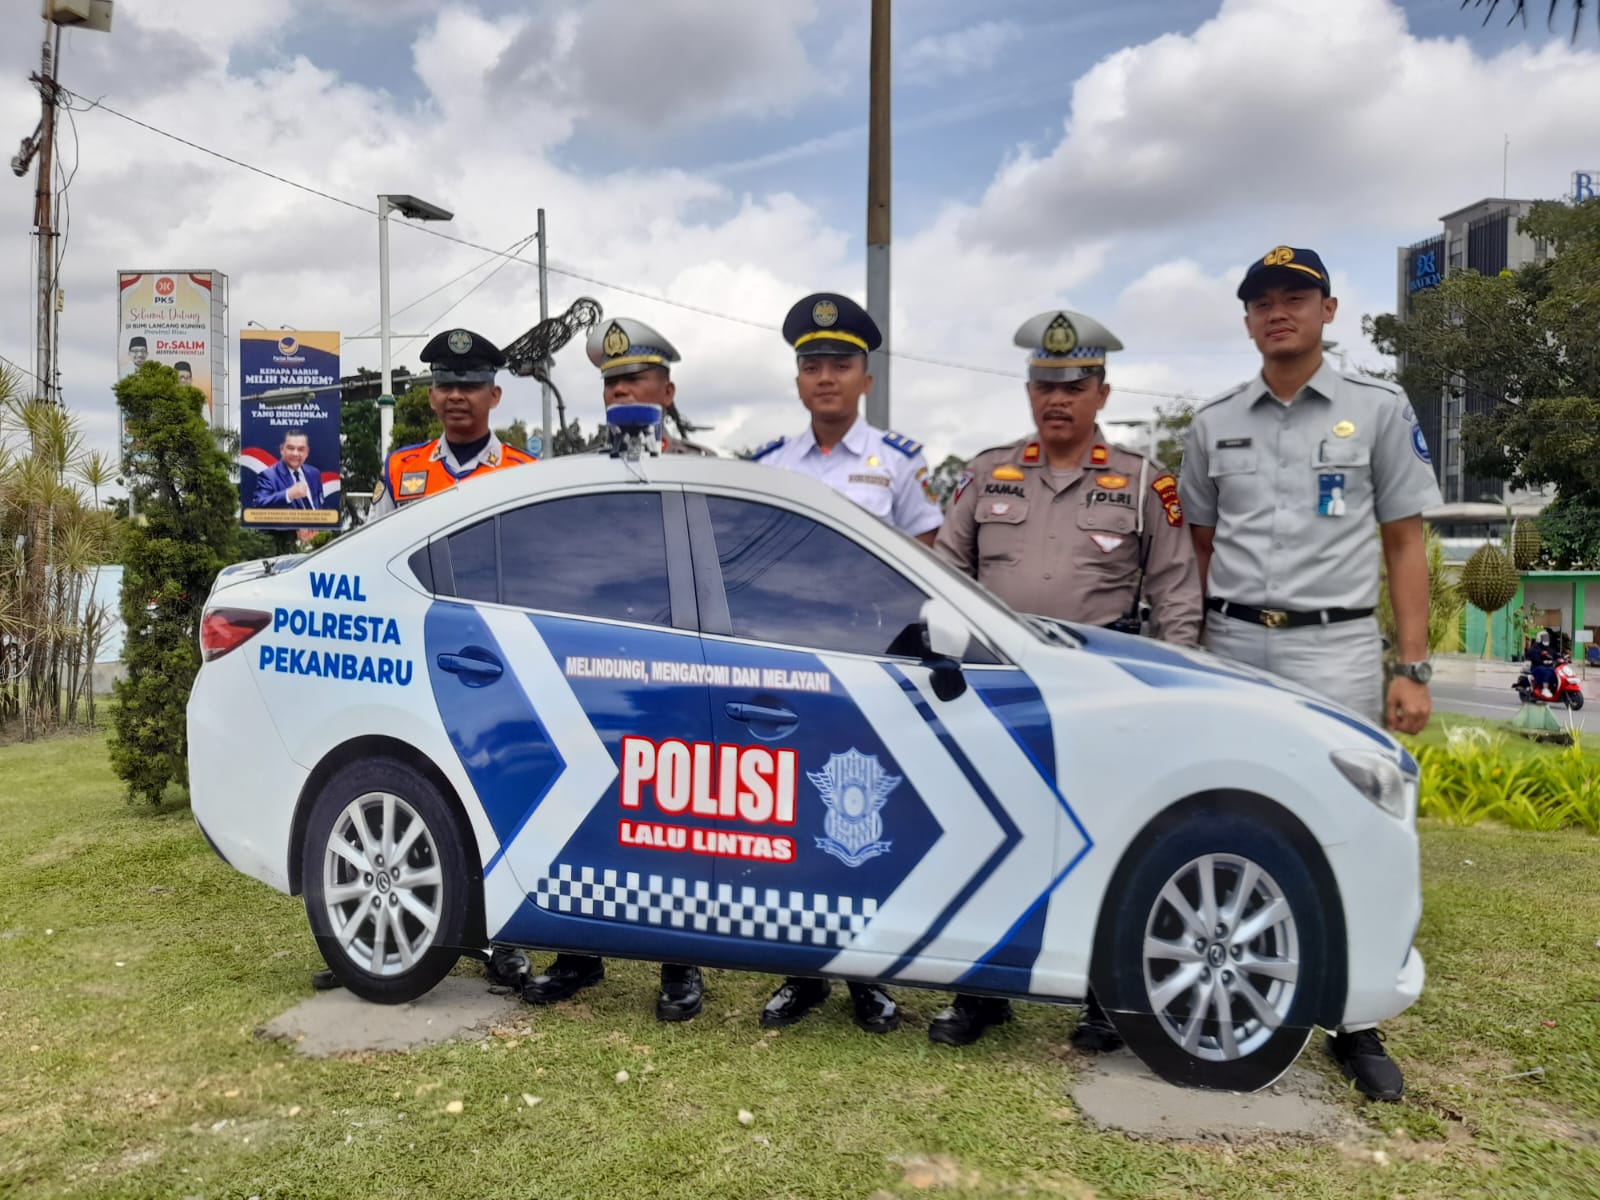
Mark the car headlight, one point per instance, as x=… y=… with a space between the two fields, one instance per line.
x=1379 y=778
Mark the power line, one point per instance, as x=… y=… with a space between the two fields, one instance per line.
x=566 y=272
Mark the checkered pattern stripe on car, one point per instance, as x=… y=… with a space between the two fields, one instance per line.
x=769 y=913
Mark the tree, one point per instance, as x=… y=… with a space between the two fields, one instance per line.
x=1519 y=8
x=358 y=447
x=1172 y=426
x=54 y=536
x=184 y=531
x=1528 y=338
x=1445 y=602
x=942 y=479
x=414 y=419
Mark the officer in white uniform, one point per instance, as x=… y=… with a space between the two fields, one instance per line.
x=1285 y=481
x=881 y=471
x=884 y=472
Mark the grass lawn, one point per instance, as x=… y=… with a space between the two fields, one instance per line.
x=135 y=968
x=1513 y=741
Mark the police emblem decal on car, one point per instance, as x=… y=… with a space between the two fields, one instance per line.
x=855 y=788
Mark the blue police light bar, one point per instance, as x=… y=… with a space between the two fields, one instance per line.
x=634 y=429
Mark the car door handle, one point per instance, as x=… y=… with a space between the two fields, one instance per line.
x=759 y=712
x=479 y=670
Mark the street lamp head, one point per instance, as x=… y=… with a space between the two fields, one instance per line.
x=417 y=210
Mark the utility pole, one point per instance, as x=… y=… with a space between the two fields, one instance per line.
x=879 y=170
x=44 y=217
x=544 y=313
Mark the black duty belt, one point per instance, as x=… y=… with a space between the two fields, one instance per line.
x=1282 y=618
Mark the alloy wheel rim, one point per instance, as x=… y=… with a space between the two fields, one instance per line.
x=382 y=887
x=1221 y=957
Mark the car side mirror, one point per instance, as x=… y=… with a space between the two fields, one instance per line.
x=946 y=637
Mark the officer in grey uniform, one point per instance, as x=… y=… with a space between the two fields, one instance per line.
x=634 y=362
x=882 y=471
x=1064 y=524
x=1285 y=480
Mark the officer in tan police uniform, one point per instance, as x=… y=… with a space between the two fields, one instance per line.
x=1064 y=524
x=634 y=362
x=1285 y=479
x=635 y=365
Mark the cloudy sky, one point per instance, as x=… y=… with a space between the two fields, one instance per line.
x=1126 y=158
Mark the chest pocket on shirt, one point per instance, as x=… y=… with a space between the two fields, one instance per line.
x=1107 y=518
x=1343 y=456
x=1231 y=460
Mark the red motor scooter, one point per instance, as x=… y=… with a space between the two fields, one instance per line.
x=1568 y=690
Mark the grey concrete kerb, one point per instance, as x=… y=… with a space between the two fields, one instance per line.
x=337 y=1022
x=1116 y=1091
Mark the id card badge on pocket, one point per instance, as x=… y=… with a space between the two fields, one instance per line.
x=1330 y=494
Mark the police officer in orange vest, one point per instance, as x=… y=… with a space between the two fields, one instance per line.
x=462 y=395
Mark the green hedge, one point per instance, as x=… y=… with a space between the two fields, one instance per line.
x=1473 y=778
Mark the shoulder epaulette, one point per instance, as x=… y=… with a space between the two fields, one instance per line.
x=519 y=452
x=767 y=449
x=1227 y=395
x=1372 y=381
x=902 y=443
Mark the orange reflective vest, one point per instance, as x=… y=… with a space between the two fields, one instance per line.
x=417 y=471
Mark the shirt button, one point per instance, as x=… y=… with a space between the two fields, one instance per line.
x=1047 y=574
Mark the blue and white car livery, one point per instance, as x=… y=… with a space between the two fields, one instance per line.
x=695 y=710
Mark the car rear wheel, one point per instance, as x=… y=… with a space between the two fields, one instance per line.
x=1216 y=955
x=386 y=881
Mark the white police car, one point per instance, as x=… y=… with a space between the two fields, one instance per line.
x=705 y=711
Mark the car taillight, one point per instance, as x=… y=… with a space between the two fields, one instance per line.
x=224 y=629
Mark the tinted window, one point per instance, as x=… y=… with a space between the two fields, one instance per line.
x=473 y=562
x=793 y=581
x=592 y=556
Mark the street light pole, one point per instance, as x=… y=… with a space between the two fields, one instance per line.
x=879 y=173
x=417 y=210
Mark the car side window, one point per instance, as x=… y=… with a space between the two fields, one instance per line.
x=590 y=556
x=792 y=581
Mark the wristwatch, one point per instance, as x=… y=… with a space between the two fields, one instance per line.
x=1421 y=672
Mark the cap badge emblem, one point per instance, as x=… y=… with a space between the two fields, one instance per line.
x=459 y=341
x=824 y=313
x=616 y=343
x=1059 y=336
x=1276 y=258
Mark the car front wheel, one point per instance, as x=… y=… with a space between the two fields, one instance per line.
x=386 y=881
x=1216 y=955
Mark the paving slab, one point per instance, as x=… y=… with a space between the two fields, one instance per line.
x=1117 y=1091
x=338 y=1022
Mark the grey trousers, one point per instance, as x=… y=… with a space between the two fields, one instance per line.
x=1343 y=661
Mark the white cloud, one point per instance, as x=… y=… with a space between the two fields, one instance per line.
x=961 y=52
x=1320 y=112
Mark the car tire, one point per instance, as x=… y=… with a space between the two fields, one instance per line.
x=1177 y=980
x=386 y=880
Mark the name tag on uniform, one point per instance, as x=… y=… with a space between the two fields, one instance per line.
x=878 y=480
x=1233 y=443
x=1330 y=494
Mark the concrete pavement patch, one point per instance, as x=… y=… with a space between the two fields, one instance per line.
x=1118 y=1092
x=337 y=1022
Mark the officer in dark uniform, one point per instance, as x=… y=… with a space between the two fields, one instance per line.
x=634 y=362
x=463 y=394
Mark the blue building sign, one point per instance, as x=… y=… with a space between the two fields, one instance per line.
x=1424 y=270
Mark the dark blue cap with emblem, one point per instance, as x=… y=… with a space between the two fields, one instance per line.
x=461 y=356
x=1285 y=266
x=828 y=323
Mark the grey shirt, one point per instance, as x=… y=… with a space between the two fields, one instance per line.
x=1294 y=491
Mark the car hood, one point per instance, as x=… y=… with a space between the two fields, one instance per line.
x=1163 y=665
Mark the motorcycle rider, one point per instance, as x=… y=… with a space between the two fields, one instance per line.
x=1541 y=661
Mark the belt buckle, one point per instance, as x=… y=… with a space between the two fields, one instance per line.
x=1274 y=618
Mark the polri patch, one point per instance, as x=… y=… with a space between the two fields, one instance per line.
x=1166 y=488
x=413 y=482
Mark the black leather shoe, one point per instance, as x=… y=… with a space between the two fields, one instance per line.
x=1363 y=1058
x=682 y=992
x=875 y=1010
x=1095 y=1033
x=569 y=973
x=506 y=966
x=324 y=981
x=965 y=1021
x=793 y=1000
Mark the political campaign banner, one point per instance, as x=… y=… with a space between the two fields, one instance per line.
x=289 y=464
x=180 y=319
x=289 y=428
